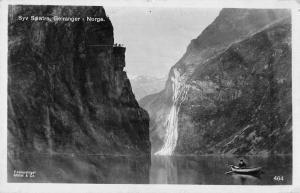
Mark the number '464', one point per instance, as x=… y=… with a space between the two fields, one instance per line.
x=278 y=178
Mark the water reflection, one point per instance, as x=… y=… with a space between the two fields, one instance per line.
x=245 y=179
x=143 y=170
x=163 y=170
x=212 y=169
x=81 y=169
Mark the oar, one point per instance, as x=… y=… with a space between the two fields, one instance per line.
x=228 y=172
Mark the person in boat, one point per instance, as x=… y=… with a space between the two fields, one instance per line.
x=242 y=164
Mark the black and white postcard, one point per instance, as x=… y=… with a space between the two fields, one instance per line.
x=149 y=94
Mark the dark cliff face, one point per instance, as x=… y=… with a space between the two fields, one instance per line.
x=67 y=91
x=231 y=89
x=241 y=100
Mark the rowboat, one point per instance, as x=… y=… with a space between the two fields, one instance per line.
x=238 y=170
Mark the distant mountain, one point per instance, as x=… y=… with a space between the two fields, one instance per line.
x=146 y=85
x=231 y=90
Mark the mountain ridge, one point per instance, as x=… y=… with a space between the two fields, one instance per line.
x=146 y=85
x=193 y=63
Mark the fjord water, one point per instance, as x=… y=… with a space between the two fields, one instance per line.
x=157 y=170
x=211 y=170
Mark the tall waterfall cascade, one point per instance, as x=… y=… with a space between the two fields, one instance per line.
x=179 y=89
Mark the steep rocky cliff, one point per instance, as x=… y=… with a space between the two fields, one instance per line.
x=67 y=91
x=231 y=90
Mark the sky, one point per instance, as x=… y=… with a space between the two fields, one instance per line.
x=156 y=38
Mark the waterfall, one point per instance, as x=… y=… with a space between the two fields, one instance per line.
x=179 y=94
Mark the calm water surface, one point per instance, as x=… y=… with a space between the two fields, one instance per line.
x=145 y=170
x=211 y=170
